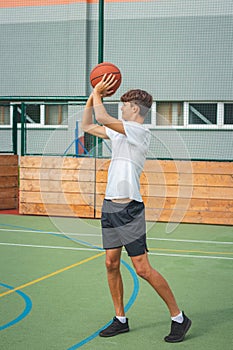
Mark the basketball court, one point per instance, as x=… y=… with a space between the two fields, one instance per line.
x=54 y=293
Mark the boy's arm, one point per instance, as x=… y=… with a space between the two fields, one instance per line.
x=87 y=121
x=101 y=115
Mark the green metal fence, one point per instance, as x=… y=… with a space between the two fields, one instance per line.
x=8 y=132
x=44 y=126
x=51 y=126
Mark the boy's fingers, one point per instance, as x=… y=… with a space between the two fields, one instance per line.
x=103 y=79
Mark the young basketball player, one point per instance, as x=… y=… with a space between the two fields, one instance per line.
x=123 y=213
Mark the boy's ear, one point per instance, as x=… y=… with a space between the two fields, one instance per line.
x=136 y=109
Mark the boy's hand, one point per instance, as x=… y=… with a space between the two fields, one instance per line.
x=104 y=87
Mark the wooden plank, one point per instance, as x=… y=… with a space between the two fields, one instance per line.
x=213 y=192
x=101 y=175
x=213 y=168
x=9 y=203
x=189 y=204
x=8 y=160
x=57 y=186
x=57 y=162
x=9 y=170
x=178 y=179
x=204 y=217
x=56 y=198
x=187 y=192
x=56 y=210
x=98 y=212
x=57 y=174
x=8 y=181
x=101 y=188
x=178 y=166
x=8 y=193
x=195 y=167
x=172 y=190
x=194 y=217
x=184 y=204
x=187 y=179
x=180 y=191
x=102 y=164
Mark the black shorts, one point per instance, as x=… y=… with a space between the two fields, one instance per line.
x=124 y=225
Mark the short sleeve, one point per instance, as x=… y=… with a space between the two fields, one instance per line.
x=110 y=133
x=136 y=133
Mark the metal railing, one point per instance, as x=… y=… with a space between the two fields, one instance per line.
x=23 y=131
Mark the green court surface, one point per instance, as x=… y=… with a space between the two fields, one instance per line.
x=54 y=293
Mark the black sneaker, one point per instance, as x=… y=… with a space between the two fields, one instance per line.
x=116 y=327
x=178 y=330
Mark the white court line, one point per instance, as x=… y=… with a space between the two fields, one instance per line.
x=189 y=241
x=99 y=235
x=194 y=256
x=47 y=246
x=95 y=249
x=52 y=233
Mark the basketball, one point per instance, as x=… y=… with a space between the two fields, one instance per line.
x=98 y=72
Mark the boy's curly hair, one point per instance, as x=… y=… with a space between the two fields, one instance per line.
x=141 y=98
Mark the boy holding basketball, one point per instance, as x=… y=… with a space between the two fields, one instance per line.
x=123 y=212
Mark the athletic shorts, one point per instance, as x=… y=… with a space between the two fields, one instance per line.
x=124 y=225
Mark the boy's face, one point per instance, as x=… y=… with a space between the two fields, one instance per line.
x=127 y=110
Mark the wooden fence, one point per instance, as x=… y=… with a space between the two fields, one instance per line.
x=8 y=182
x=57 y=186
x=173 y=191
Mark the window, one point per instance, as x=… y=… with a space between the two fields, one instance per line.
x=166 y=114
x=228 y=113
x=203 y=113
x=5 y=119
x=32 y=112
x=41 y=115
x=169 y=113
x=56 y=114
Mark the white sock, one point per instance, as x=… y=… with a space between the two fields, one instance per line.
x=179 y=318
x=122 y=319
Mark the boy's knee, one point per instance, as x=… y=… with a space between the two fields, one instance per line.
x=112 y=264
x=143 y=272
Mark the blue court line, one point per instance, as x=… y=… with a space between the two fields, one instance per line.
x=63 y=235
x=132 y=272
x=127 y=307
x=31 y=229
x=26 y=311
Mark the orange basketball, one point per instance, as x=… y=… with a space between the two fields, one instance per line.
x=98 y=72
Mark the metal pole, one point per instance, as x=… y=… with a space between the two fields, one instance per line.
x=23 y=131
x=76 y=140
x=101 y=31
x=15 y=130
x=100 y=57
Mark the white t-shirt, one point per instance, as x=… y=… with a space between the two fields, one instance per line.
x=128 y=158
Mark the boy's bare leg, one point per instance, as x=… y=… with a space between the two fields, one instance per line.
x=157 y=281
x=115 y=283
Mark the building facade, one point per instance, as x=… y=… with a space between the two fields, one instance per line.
x=181 y=51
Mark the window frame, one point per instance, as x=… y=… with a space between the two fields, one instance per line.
x=40 y=125
x=10 y=125
x=220 y=117
x=186 y=126
x=218 y=126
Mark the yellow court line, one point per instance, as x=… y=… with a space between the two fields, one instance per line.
x=189 y=251
x=51 y=274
